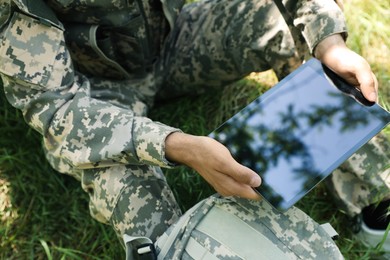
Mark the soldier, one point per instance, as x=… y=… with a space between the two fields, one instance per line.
x=84 y=74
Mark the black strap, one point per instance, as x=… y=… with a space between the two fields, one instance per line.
x=299 y=40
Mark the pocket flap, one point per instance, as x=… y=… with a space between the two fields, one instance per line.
x=28 y=49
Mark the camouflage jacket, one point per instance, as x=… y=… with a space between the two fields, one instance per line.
x=50 y=81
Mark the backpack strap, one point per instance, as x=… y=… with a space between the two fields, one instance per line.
x=299 y=40
x=330 y=230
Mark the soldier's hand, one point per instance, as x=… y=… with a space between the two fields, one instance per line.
x=333 y=52
x=214 y=162
x=340 y=3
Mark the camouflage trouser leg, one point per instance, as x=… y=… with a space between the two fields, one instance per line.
x=216 y=42
x=135 y=200
x=364 y=178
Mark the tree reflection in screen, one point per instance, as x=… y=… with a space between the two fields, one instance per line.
x=265 y=143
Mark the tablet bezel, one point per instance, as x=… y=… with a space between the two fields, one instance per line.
x=317 y=68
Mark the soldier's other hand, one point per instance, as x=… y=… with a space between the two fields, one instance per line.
x=214 y=163
x=333 y=52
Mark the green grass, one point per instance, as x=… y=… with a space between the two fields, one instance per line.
x=44 y=215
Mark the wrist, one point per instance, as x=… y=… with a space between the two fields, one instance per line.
x=179 y=147
x=329 y=45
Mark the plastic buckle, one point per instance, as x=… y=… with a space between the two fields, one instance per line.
x=139 y=248
x=146 y=251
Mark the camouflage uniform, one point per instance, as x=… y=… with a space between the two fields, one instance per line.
x=84 y=74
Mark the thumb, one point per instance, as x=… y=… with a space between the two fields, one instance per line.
x=244 y=175
x=368 y=85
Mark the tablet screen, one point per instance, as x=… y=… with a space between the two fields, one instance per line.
x=298 y=132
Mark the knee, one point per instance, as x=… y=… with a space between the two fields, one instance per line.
x=135 y=200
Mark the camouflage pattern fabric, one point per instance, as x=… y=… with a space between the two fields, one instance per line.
x=135 y=200
x=245 y=230
x=218 y=42
x=86 y=81
x=364 y=179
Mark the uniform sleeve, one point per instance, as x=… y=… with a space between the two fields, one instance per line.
x=317 y=19
x=78 y=131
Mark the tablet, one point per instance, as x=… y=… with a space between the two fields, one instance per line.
x=299 y=131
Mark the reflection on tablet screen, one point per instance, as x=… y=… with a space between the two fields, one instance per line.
x=297 y=133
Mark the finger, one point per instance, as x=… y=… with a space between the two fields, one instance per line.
x=245 y=192
x=340 y=3
x=244 y=175
x=368 y=84
x=239 y=172
x=375 y=82
x=233 y=188
x=250 y=194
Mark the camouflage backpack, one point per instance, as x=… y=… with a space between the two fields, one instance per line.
x=233 y=228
